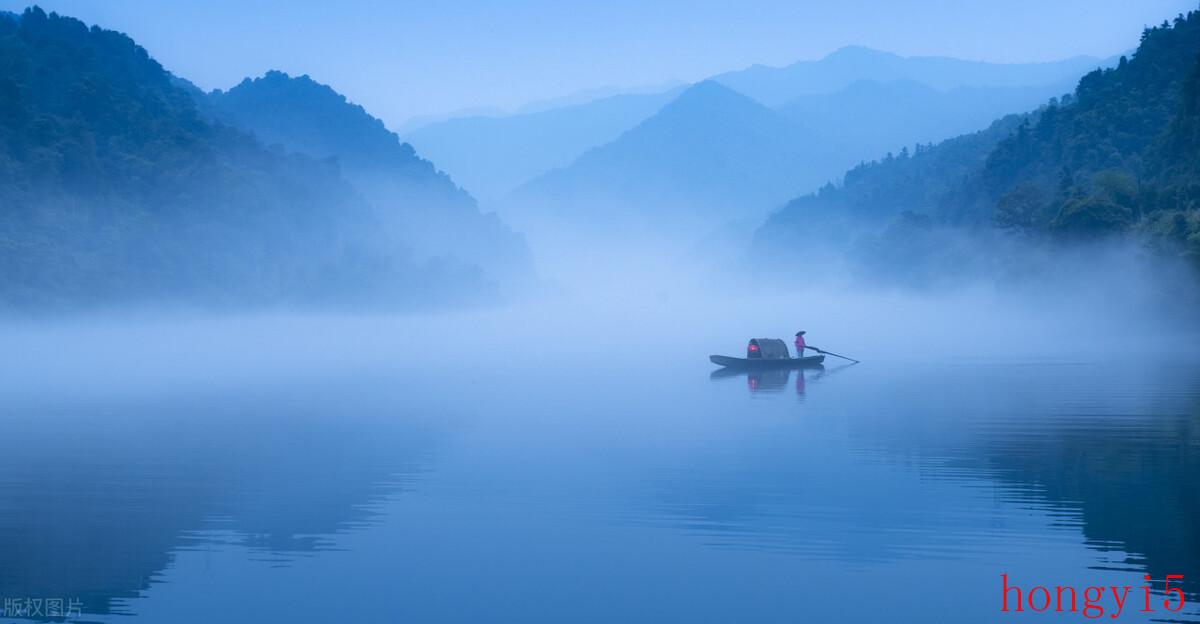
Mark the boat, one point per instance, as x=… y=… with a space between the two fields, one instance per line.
x=763 y=353
x=813 y=361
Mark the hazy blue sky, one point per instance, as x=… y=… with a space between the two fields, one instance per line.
x=406 y=58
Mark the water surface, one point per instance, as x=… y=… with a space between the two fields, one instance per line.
x=393 y=470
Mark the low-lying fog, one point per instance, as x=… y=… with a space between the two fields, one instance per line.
x=537 y=452
x=624 y=310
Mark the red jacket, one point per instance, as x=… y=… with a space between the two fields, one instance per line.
x=800 y=344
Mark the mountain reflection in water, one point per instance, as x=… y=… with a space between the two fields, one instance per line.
x=96 y=500
x=605 y=491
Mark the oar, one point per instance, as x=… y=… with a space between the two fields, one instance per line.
x=833 y=354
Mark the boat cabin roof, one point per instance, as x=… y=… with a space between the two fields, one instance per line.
x=767 y=348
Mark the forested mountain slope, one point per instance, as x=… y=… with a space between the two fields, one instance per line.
x=1116 y=159
x=115 y=188
x=420 y=205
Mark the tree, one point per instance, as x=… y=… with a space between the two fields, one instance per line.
x=1118 y=186
x=1089 y=216
x=1022 y=209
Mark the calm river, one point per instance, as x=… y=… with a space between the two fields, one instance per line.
x=450 y=470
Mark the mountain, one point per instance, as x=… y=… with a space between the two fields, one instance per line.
x=709 y=156
x=873 y=100
x=1117 y=159
x=420 y=121
x=116 y=188
x=587 y=96
x=810 y=122
x=1176 y=155
x=726 y=156
x=870 y=118
x=419 y=204
x=880 y=215
x=775 y=86
x=492 y=155
x=312 y=118
x=924 y=180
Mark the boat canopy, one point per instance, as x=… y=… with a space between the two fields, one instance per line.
x=767 y=348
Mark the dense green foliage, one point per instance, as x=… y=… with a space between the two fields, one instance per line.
x=114 y=187
x=1115 y=159
x=1118 y=158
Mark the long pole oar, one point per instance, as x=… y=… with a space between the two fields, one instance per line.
x=834 y=354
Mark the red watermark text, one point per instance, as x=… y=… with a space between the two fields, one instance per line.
x=1091 y=602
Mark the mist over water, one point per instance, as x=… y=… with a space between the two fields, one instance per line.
x=531 y=454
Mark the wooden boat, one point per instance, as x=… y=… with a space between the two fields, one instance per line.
x=814 y=361
x=764 y=353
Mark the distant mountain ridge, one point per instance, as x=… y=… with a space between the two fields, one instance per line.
x=775 y=86
x=871 y=118
x=587 y=96
x=714 y=154
x=709 y=153
x=493 y=155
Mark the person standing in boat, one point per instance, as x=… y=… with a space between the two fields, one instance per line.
x=800 y=346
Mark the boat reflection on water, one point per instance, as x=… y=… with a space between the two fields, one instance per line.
x=768 y=380
x=776 y=380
